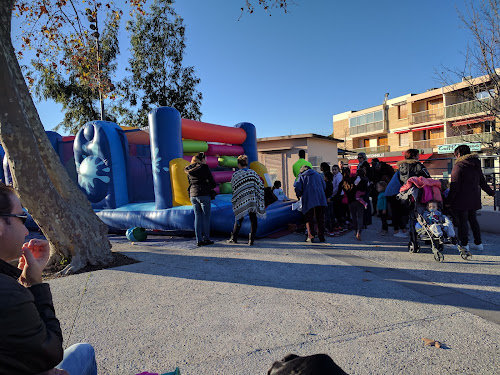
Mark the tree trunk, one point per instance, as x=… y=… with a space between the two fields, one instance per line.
x=57 y=205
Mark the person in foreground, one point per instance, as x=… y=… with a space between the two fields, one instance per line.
x=248 y=198
x=316 y=364
x=30 y=334
x=467 y=180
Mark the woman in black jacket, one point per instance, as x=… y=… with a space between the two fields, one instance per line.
x=411 y=167
x=467 y=181
x=201 y=182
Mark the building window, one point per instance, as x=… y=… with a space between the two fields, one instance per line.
x=404 y=139
x=489 y=163
x=489 y=126
x=383 y=141
x=485 y=94
x=402 y=111
x=366 y=119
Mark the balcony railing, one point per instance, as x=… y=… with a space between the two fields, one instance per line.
x=473 y=138
x=366 y=128
x=435 y=114
x=428 y=143
x=373 y=150
x=469 y=108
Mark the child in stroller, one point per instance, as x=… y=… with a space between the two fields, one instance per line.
x=440 y=225
x=427 y=223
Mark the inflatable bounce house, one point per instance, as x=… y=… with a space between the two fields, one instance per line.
x=63 y=147
x=136 y=178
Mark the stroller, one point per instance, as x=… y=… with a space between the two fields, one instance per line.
x=420 y=229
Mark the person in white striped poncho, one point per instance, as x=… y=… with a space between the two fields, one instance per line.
x=248 y=198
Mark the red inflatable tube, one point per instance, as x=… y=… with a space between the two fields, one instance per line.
x=202 y=131
x=212 y=161
x=222 y=176
x=224 y=150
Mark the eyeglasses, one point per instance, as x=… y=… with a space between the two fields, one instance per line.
x=22 y=217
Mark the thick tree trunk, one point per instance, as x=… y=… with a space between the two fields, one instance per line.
x=57 y=205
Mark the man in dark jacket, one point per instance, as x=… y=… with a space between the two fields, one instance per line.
x=467 y=180
x=30 y=334
x=381 y=171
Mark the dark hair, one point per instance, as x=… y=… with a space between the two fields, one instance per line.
x=362 y=155
x=432 y=201
x=200 y=155
x=243 y=160
x=5 y=201
x=382 y=184
x=329 y=176
x=302 y=154
x=346 y=172
x=411 y=153
x=462 y=149
x=277 y=184
x=336 y=167
x=375 y=160
x=325 y=167
x=445 y=184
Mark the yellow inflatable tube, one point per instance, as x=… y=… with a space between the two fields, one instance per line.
x=262 y=172
x=179 y=182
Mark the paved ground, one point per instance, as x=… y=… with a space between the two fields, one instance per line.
x=234 y=309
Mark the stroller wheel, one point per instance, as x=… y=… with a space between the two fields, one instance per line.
x=413 y=247
x=466 y=255
x=438 y=256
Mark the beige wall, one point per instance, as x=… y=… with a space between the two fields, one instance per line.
x=284 y=154
x=341 y=131
x=322 y=149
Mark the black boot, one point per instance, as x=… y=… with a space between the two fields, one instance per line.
x=251 y=239
x=233 y=239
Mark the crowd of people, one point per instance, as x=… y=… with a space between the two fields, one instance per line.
x=337 y=199
x=331 y=200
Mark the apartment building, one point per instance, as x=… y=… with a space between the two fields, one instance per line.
x=435 y=122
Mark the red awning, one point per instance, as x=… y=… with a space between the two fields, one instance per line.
x=428 y=127
x=402 y=131
x=473 y=121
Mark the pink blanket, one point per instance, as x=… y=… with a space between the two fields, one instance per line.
x=432 y=188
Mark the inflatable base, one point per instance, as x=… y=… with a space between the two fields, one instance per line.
x=181 y=218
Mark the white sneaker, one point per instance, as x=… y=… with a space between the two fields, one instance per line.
x=478 y=247
x=400 y=235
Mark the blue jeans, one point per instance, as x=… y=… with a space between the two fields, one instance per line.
x=201 y=207
x=79 y=359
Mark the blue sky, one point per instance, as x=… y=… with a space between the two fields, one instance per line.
x=290 y=73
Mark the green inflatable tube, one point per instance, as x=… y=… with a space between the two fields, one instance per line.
x=226 y=188
x=188 y=145
x=228 y=161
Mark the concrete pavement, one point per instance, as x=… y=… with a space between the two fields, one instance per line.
x=235 y=309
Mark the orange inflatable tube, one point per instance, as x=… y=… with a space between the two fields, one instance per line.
x=203 y=131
